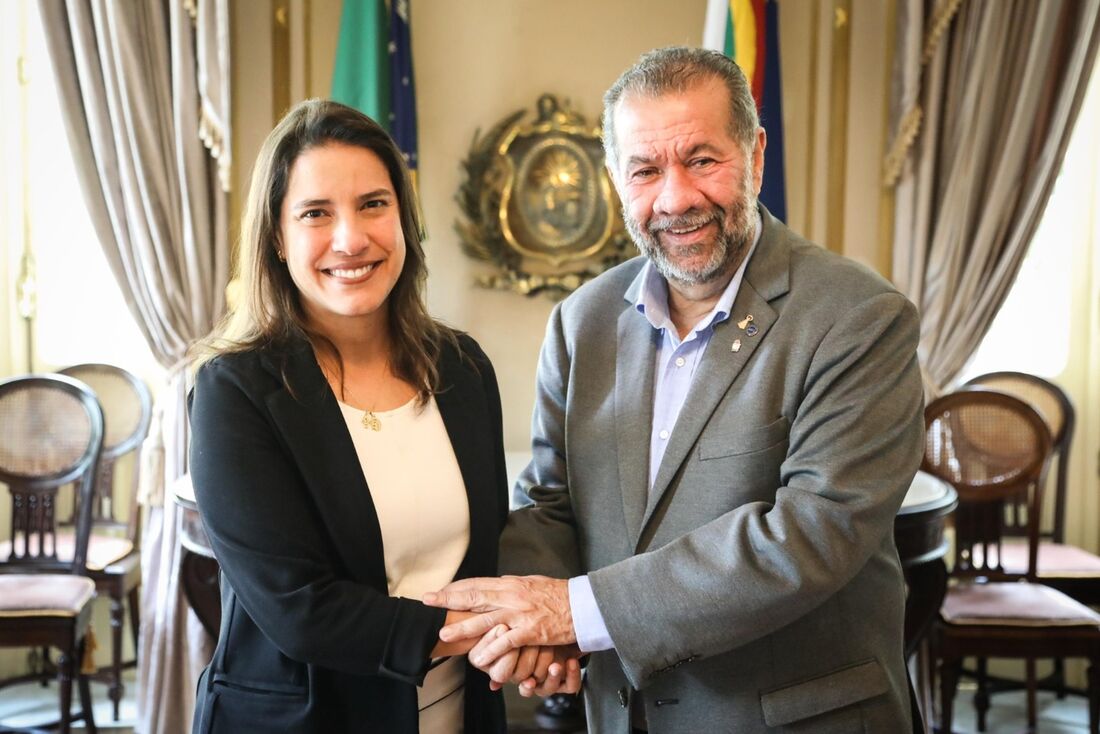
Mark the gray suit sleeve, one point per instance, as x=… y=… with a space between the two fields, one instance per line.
x=541 y=537
x=855 y=443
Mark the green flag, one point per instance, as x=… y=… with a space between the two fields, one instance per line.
x=361 y=77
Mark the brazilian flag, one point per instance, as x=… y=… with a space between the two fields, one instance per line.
x=374 y=69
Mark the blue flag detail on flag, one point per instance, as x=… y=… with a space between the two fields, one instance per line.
x=373 y=71
x=402 y=123
x=773 y=191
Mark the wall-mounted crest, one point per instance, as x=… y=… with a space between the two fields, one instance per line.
x=539 y=205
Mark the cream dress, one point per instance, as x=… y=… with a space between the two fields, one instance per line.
x=420 y=497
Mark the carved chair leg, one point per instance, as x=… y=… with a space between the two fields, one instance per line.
x=85 y=690
x=47 y=668
x=1094 y=696
x=981 y=693
x=1058 y=678
x=949 y=681
x=1032 y=704
x=65 y=685
x=114 y=691
x=135 y=614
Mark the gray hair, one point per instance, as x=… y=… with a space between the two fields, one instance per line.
x=674 y=70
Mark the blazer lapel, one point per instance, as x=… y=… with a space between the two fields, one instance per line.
x=315 y=432
x=635 y=359
x=766 y=278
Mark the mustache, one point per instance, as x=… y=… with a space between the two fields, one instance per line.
x=687 y=220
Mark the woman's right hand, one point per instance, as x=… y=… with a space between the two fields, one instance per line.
x=539 y=670
x=560 y=674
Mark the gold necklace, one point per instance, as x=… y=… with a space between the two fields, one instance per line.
x=370 y=421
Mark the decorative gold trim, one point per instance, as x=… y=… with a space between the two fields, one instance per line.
x=839 y=69
x=307 y=47
x=894 y=159
x=238 y=186
x=944 y=14
x=280 y=59
x=886 y=202
x=538 y=205
x=910 y=123
x=811 y=139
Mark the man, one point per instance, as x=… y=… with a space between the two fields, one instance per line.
x=723 y=432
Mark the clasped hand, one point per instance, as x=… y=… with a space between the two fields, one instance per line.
x=524 y=631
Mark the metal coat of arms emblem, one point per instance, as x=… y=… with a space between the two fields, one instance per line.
x=538 y=203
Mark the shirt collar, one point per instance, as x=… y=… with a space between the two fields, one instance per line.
x=652 y=300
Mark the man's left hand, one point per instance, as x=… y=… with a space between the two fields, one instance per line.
x=534 y=608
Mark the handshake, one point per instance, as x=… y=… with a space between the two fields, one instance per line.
x=517 y=629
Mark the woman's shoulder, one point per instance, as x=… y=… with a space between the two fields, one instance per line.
x=466 y=349
x=253 y=368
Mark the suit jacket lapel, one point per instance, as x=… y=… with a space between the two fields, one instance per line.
x=766 y=278
x=315 y=432
x=635 y=359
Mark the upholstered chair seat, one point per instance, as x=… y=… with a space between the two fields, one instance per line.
x=38 y=595
x=1032 y=605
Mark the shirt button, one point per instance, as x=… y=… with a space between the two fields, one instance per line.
x=663 y=434
x=679 y=361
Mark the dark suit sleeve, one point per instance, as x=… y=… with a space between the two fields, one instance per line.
x=541 y=536
x=274 y=550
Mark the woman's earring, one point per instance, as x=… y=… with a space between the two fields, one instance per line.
x=282 y=257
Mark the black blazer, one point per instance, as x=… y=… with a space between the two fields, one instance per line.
x=310 y=641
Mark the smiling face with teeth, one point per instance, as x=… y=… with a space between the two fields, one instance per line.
x=340 y=232
x=688 y=187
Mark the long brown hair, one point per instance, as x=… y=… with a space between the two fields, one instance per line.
x=270 y=313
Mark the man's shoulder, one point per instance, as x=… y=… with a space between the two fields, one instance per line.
x=606 y=292
x=826 y=277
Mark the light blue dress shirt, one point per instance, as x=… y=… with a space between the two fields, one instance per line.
x=676 y=365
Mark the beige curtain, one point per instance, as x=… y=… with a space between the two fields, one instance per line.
x=985 y=95
x=144 y=89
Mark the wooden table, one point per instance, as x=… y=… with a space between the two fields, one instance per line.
x=918 y=534
x=198 y=568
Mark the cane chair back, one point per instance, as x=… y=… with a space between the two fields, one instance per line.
x=51 y=433
x=127 y=411
x=1052 y=403
x=994 y=449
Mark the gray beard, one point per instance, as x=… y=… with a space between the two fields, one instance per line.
x=735 y=234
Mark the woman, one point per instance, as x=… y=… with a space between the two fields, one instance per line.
x=347 y=454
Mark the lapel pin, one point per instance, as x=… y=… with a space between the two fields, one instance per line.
x=745 y=322
x=736 y=346
x=751 y=331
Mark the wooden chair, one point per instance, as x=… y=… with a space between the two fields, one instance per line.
x=114 y=556
x=1067 y=568
x=51 y=433
x=994 y=448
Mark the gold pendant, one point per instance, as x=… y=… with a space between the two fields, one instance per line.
x=370 y=421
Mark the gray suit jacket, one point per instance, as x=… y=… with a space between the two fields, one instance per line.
x=757 y=587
